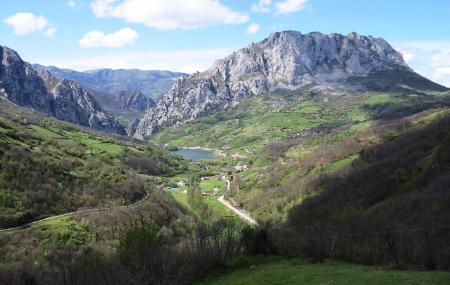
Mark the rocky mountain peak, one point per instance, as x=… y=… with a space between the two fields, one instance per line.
x=63 y=99
x=20 y=83
x=284 y=60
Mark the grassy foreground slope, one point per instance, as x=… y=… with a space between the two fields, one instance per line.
x=296 y=271
x=49 y=167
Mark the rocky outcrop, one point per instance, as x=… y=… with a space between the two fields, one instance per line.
x=63 y=99
x=284 y=60
x=21 y=84
x=73 y=103
x=134 y=100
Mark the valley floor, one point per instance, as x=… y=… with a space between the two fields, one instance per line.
x=277 y=271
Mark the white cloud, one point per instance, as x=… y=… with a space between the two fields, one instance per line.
x=117 y=39
x=25 y=23
x=263 y=6
x=188 y=61
x=102 y=8
x=50 y=32
x=431 y=59
x=281 y=7
x=253 y=28
x=72 y=3
x=290 y=6
x=170 y=14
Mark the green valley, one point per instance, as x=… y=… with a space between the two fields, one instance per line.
x=301 y=158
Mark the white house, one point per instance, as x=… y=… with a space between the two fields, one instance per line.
x=239 y=167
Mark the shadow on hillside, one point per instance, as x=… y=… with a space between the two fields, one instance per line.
x=406 y=104
x=393 y=208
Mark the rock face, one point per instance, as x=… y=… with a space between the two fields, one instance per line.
x=21 y=84
x=63 y=99
x=134 y=100
x=74 y=104
x=284 y=60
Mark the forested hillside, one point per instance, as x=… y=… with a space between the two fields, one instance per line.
x=49 y=167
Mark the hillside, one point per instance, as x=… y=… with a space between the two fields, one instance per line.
x=49 y=167
x=393 y=197
x=126 y=105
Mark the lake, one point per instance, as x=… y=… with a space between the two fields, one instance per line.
x=194 y=154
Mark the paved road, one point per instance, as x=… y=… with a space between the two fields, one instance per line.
x=26 y=226
x=246 y=217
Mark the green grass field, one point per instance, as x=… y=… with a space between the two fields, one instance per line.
x=273 y=271
x=218 y=209
x=181 y=198
x=210 y=184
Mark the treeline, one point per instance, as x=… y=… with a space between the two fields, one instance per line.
x=392 y=208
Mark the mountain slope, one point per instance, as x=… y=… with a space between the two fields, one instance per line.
x=63 y=99
x=392 y=206
x=127 y=105
x=48 y=166
x=286 y=60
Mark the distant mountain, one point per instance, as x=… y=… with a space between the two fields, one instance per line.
x=134 y=100
x=152 y=83
x=63 y=99
x=284 y=60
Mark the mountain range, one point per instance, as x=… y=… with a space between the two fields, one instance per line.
x=126 y=93
x=284 y=61
x=151 y=83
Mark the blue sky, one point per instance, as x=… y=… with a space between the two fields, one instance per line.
x=188 y=35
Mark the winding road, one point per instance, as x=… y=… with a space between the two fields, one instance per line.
x=27 y=226
x=243 y=215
